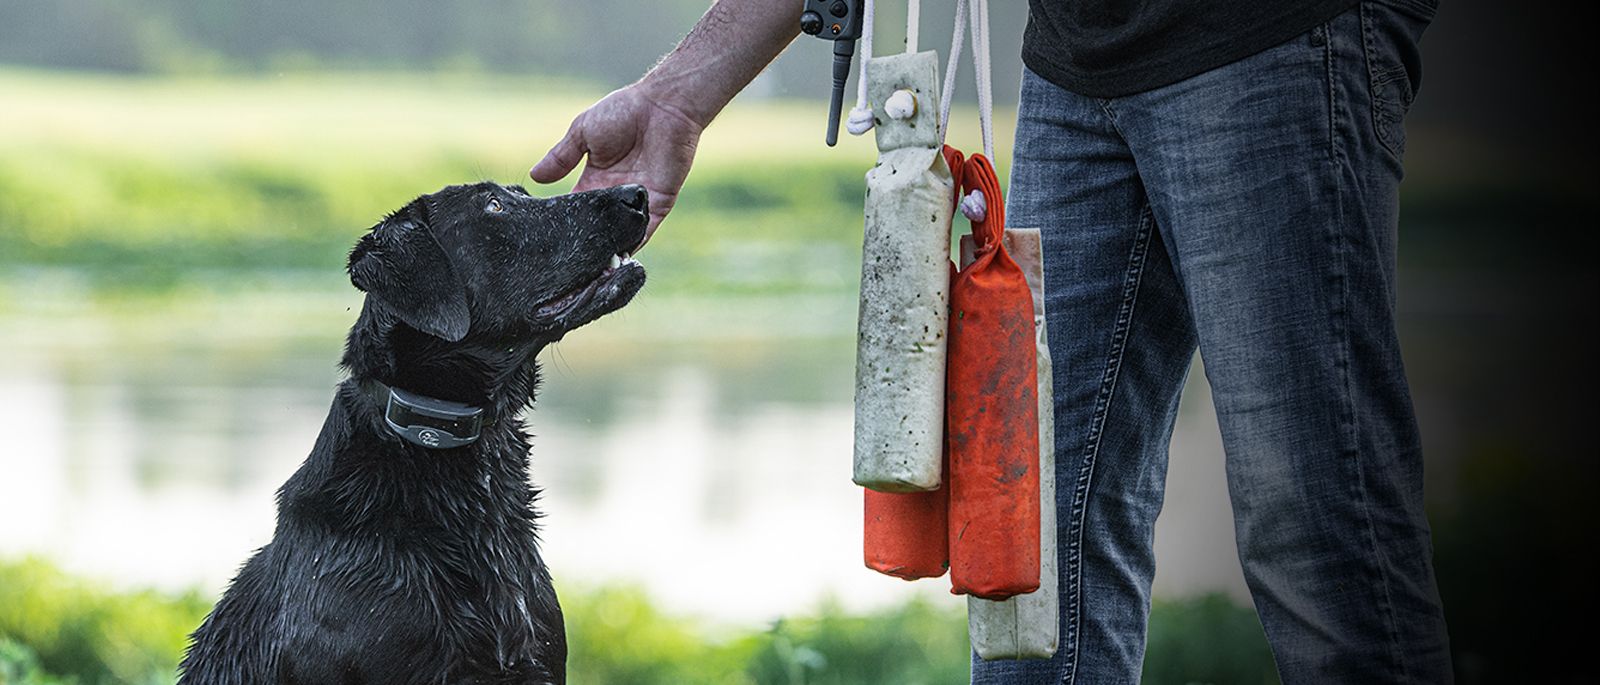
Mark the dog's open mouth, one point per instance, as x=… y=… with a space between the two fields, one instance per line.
x=606 y=292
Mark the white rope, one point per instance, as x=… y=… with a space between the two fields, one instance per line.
x=949 y=91
x=980 y=65
x=976 y=13
x=860 y=120
x=913 y=23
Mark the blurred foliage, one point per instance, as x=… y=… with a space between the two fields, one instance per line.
x=918 y=643
x=1207 y=639
x=608 y=42
x=616 y=636
x=98 y=636
x=20 y=666
x=176 y=36
x=285 y=173
x=57 y=629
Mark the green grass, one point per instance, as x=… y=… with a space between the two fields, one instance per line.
x=57 y=629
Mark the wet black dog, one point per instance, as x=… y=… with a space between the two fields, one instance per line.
x=398 y=558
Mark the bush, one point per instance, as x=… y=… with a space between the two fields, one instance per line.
x=98 y=636
x=913 y=644
x=1206 y=639
x=60 y=630
x=615 y=636
x=20 y=666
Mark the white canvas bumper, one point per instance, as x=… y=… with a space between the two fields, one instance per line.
x=905 y=286
x=1026 y=626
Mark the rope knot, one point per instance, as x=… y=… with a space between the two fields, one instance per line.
x=974 y=207
x=860 y=121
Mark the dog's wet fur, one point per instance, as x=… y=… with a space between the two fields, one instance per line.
x=393 y=563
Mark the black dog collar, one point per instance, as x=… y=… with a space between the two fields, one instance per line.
x=430 y=422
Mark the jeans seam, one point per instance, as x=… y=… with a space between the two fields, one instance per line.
x=1341 y=320
x=1080 y=490
x=1333 y=102
x=1377 y=77
x=1352 y=448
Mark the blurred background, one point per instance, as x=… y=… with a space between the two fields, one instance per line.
x=180 y=183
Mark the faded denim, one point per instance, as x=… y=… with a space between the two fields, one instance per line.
x=1250 y=210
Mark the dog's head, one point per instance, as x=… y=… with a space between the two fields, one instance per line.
x=496 y=263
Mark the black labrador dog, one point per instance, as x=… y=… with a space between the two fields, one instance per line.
x=405 y=549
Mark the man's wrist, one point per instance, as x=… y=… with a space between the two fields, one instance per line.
x=725 y=50
x=668 y=93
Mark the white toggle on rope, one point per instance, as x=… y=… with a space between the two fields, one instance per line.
x=974 y=207
x=860 y=120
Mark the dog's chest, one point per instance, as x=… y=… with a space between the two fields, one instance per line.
x=387 y=624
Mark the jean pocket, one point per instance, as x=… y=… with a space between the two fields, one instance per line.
x=1390 y=33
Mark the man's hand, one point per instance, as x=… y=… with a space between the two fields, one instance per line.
x=629 y=137
x=646 y=133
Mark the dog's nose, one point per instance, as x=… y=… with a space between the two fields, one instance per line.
x=634 y=196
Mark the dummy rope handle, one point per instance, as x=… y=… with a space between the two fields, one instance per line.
x=977 y=15
x=977 y=12
x=973 y=205
x=860 y=120
x=949 y=90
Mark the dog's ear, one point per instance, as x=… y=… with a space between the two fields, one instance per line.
x=401 y=264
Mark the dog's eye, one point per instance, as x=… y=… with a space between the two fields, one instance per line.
x=494 y=206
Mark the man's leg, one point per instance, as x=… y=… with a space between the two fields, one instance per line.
x=1276 y=180
x=1120 y=341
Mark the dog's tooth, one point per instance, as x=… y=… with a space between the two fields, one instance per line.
x=616 y=261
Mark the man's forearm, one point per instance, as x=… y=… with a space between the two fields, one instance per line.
x=724 y=51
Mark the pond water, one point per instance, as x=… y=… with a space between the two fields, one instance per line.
x=697 y=447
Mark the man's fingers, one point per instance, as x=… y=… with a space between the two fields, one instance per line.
x=650 y=229
x=589 y=181
x=562 y=158
x=660 y=205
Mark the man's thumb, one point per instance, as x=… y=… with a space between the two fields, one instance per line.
x=562 y=158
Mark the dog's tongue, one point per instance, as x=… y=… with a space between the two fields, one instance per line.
x=565 y=302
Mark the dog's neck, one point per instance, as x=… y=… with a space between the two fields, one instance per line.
x=499 y=376
x=363 y=477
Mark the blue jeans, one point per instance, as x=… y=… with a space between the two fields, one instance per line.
x=1250 y=210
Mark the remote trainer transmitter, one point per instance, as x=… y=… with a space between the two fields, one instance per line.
x=839 y=21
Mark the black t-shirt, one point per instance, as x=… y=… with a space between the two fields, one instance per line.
x=1111 y=48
